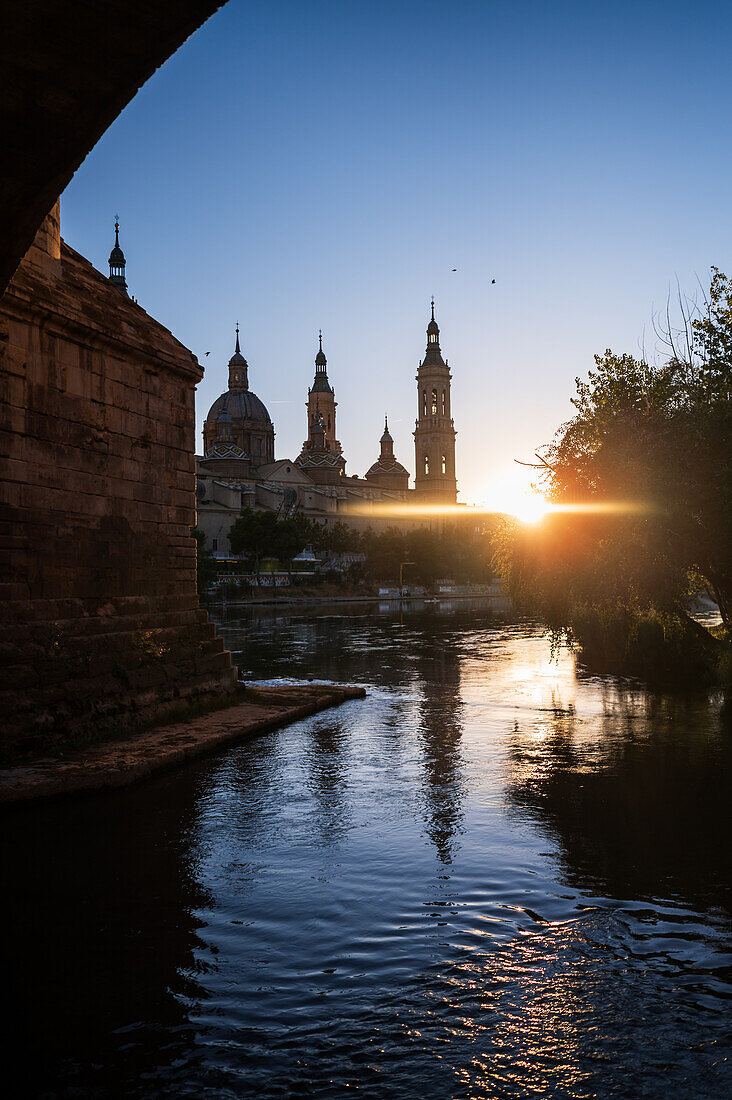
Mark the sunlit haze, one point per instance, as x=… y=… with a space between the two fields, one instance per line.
x=327 y=165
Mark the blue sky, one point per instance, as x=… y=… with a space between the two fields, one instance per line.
x=326 y=164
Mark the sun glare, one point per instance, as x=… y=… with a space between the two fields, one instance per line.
x=530 y=509
x=510 y=491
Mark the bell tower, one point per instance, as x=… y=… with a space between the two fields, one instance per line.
x=321 y=400
x=434 y=433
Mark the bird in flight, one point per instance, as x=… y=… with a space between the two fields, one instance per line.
x=493 y=280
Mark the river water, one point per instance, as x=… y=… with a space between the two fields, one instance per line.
x=493 y=877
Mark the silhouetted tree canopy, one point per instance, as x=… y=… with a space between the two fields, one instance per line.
x=262 y=534
x=655 y=441
x=459 y=550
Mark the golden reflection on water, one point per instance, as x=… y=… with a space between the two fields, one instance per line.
x=535 y=1009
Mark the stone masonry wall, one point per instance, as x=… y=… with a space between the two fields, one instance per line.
x=100 y=618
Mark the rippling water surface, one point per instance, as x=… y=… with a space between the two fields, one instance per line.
x=493 y=877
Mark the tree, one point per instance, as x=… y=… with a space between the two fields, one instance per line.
x=262 y=534
x=652 y=445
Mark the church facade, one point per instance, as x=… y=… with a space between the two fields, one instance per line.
x=238 y=468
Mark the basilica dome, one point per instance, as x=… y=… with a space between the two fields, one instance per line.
x=238 y=424
x=386 y=472
x=238 y=405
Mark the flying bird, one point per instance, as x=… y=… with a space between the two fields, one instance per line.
x=493 y=280
x=208 y=352
x=454 y=269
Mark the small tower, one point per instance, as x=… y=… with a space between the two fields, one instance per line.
x=322 y=455
x=117 y=262
x=238 y=368
x=387 y=441
x=434 y=433
x=386 y=472
x=321 y=398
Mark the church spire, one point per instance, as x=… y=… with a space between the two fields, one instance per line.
x=433 y=331
x=117 y=261
x=387 y=442
x=321 y=383
x=238 y=368
x=320 y=361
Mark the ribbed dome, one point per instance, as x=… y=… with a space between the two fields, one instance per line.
x=387 y=466
x=238 y=405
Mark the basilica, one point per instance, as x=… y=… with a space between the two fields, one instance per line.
x=238 y=468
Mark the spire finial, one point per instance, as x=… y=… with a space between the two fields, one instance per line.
x=320 y=337
x=386 y=423
x=116 y=230
x=433 y=307
x=237 y=338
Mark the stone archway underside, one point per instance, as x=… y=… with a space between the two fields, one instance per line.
x=67 y=69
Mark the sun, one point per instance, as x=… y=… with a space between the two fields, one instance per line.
x=510 y=491
x=530 y=509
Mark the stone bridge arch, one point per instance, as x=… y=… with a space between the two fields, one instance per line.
x=67 y=69
x=102 y=628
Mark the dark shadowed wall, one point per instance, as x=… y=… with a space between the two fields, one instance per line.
x=98 y=592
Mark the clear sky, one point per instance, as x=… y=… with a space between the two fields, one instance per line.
x=301 y=164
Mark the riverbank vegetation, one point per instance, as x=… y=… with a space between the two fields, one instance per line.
x=459 y=549
x=639 y=483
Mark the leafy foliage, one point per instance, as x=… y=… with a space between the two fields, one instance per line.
x=261 y=534
x=457 y=549
x=653 y=442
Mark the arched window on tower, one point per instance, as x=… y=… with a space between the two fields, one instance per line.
x=426 y=464
x=434 y=402
x=424 y=402
x=444 y=464
x=444 y=403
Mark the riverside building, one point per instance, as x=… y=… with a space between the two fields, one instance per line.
x=238 y=468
